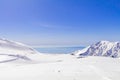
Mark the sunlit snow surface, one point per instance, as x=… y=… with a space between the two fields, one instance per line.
x=20 y=62
x=62 y=67
x=102 y=48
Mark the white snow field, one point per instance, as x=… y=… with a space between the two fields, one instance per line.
x=62 y=67
x=20 y=62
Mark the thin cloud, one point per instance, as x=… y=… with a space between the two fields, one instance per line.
x=46 y=25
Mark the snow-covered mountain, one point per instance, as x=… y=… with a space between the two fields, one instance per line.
x=102 y=48
x=11 y=50
x=12 y=47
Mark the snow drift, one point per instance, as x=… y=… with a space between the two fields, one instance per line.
x=102 y=48
x=11 y=50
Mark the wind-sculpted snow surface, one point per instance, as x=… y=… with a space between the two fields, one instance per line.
x=10 y=47
x=102 y=48
x=11 y=51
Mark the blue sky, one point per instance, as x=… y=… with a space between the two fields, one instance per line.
x=60 y=22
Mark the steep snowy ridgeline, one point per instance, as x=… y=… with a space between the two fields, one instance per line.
x=11 y=47
x=102 y=48
x=10 y=50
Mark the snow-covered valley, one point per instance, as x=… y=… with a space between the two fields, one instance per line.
x=21 y=62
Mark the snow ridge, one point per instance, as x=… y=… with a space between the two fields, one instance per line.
x=101 y=48
x=11 y=51
x=12 y=47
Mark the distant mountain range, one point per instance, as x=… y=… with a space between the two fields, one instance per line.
x=101 y=48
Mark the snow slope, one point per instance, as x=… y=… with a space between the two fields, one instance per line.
x=63 y=67
x=20 y=62
x=11 y=50
x=102 y=48
x=12 y=47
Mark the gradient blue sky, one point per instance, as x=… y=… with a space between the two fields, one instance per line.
x=60 y=22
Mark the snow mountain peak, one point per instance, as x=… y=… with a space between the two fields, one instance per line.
x=101 y=48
